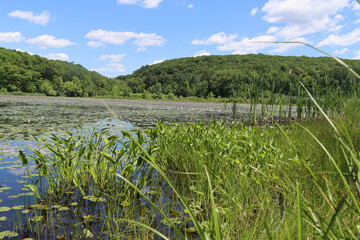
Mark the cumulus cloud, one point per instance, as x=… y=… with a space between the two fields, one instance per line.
x=113 y=57
x=141 y=49
x=42 y=19
x=157 y=61
x=95 y=44
x=190 y=6
x=142 y=3
x=342 y=40
x=357 y=55
x=254 y=11
x=342 y=51
x=246 y=45
x=202 y=53
x=9 y=37
x=304 y=17
x=145 y=39
x=217 y=38
x=57 y=56
x=47 y=41
x=100 y=37
x=19 y=50
x=111 y=67
x=283 y=47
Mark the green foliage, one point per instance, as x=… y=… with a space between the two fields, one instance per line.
x=231 y=76
x=30 y=74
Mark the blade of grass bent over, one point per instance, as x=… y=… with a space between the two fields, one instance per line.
x=214 y=212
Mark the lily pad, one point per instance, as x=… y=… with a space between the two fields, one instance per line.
x=27 y=194
x=26 y=211
x=4 y=209
x=2 y=219
x=74 y=204
x=8 y=234
x=95 y=199
x=37 y=218
x=13 y=196
x=19 y=207
x=22 y=181
x=64 y=209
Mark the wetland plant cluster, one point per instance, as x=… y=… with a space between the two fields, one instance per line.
x=206 y=180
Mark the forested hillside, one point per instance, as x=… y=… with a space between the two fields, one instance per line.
x=22 y=72
x=227 y=76
x=236 y=75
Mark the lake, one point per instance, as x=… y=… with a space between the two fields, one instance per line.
x=21 y=118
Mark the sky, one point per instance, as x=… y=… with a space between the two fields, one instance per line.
x=117 y=37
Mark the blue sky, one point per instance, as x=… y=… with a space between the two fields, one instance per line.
x=116 y=37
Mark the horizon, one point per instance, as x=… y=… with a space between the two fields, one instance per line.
x=117 y=37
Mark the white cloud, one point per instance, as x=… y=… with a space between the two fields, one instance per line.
x=47 y=41
x=217 y=38
x=145 y=39
x=113 y=57
x=254 y=11
x=190 y=6
x=357 y=55
x=142 y=3
x=342 y=40
x=9 y=37
x=42 y=19
x=95 y=44
x=342 y=51
x=157 y=61
x=202 y=53
x=246 y=45
x=99 y=37
x=112 y=67
x=19 y=50
x=283 y=47
x=304 y=17
x=141 y=49
x=117 y=67
x=57 y=56
x=272 y=30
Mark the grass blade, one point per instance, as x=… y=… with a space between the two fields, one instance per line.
x=214 y=211
x=299 y=218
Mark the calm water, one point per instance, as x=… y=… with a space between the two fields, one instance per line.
x=21 y=118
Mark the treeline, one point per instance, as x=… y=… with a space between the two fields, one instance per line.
x=236 y=75
x=22 y=72
x=230 y=76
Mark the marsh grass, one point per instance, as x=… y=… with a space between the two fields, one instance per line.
x=206 y=180
x=209 y=180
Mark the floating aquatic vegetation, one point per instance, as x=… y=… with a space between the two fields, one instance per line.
x=19 y=207
x=25 y=211
x=94 y=199
x=8 y=234
x=63 y=208
x=4 y=209
x=36 y=218
x=2 y=219
x=13 y=196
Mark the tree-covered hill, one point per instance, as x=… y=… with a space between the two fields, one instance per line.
x=234 y=75
x=23 y=72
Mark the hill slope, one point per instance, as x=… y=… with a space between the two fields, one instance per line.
x=234 y=75
x=23 y=72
